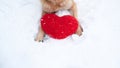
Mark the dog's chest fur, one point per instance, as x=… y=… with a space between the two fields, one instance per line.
x=48 y=7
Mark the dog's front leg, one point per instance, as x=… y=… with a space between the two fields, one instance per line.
x=73 y=10
x=41 y=34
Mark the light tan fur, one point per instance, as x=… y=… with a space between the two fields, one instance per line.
x=50 y=6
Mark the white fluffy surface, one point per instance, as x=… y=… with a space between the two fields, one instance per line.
x=97 y=48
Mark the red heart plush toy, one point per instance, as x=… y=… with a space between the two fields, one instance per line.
x=59 y=27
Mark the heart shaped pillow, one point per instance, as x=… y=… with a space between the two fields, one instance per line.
x=59 y=27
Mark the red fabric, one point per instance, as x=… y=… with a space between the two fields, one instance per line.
x=59 y=27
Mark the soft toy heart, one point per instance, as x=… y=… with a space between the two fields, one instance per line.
x=59 y=27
